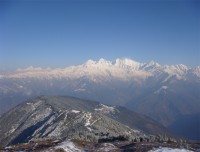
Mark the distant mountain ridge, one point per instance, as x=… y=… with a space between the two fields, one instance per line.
x=165 y=93
x=105 y=67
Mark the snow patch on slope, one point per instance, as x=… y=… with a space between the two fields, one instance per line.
x=68 y=146
x=12 y=130
x=163 y=88
x=88 y=117
x=79 y=90
x=34 y=105
x=165 y=149
x=107 y=147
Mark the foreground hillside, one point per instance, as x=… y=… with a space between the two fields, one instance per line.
x=57 y=117
x=116 y=146
x=168 y=94
x=61 y=123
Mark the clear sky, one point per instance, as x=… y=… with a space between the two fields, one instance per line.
x=59 y=33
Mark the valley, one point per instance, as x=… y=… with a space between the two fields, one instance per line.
x=164 y=93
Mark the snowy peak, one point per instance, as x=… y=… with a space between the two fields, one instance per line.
x=152 y=65
x=119 y=63
x=124 y=63
x=179 y=70
x=181 y=67
x=196 y=71
x=104 y=62
x=90 y=63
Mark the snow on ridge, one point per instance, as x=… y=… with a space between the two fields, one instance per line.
x=105 y=109
x=133 y=130
x=75 y=111
x=43 y=114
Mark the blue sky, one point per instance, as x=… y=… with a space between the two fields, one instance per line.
x=50 y=33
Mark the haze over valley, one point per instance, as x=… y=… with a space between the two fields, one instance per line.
x=168 y=94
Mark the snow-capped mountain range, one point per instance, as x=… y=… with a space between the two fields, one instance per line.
x=166 y=93
x=121 y=68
